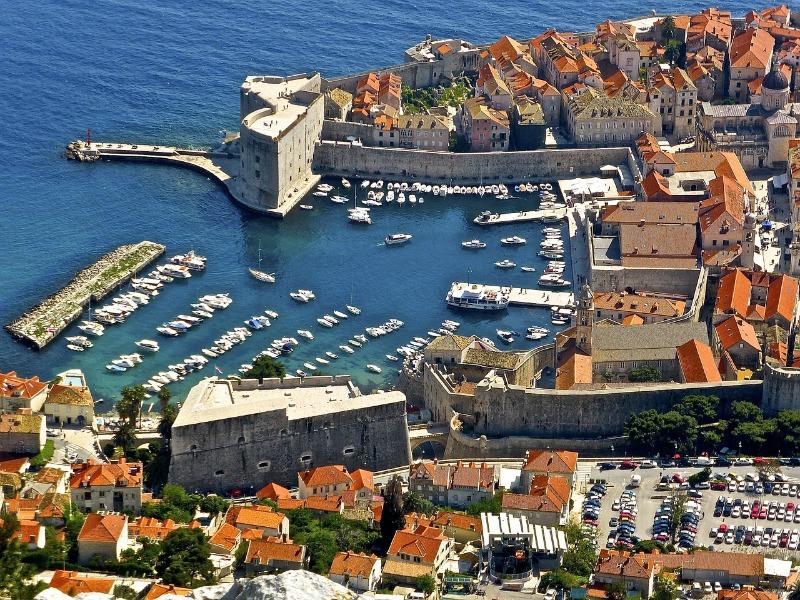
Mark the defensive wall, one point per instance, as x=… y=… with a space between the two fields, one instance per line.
x=781 y=389
x=501 y=410
x=344 y=159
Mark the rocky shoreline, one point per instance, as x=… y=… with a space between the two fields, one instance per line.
x=41 y=324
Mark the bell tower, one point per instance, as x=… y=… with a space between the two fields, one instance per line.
x=748 y=256
x=585 y=320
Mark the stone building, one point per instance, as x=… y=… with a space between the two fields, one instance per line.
x=21 y=392
x=672 y=97
x=485 y=129
x=338 y=103
x=413 y=553
x=528 y=124
x=22 y=432
x=750 y=57
x=594 y=119
x=274 y=555
x=758 y=133
x=459 y=485
x=115 y=486
x=636 y=572
x=69 y=404
x=104 y=535
x=246 y=434
x=281 y=122
x=356 y=571
x=426 y=132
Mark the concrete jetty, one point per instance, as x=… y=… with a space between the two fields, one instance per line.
x=556 y=214
x=44 y=322
x=528 y=297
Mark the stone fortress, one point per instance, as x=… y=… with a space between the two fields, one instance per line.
x=237 y=434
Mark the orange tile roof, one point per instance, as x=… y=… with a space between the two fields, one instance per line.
x=227 y=537
x=637 y=566
x=161 y=589
x=151 y=527
x=102 y=528
x=654 y=184
x=273 y=491
x=746 y=594
x=541 y=503
x=726 y=200
x=256 y=516
x=445 y=519
x=574 y=367
x=722 y=163
x=14 y=386
x=507 y=47
x=734 y=330
x=640 y=303
x=327 y=475
x=554 y=485
x=289 y=503
x=274 y=549
x=353 y=564
x=697 y=362
x=423 y=469
x=562 y=462
x=28 y=532
x=90 y=474
x=423 y=542
x=362 y=479
x=733 y=294
x=633 y=320
x=73 y=583
x=324 y=503
x=733 y=563
x=14 y=465
x=751 y=49
x=252 y=534
x=782 y=298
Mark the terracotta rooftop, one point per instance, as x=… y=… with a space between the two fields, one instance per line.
x=733 y=295
x=19 y=422
x=73 y=583
x=362 y=479
x=326 y=475
x=636 y=566
x=14 y=386
x=273 y=491
x=115 y=473
x=423 y=542
x=255 y=516
x=733 y=563
x=697 y=362
x=272 y=549
x=353 y=564
x=640 y=303
x=160 y=589
x=751 y=49
x=102 y=528
x=151 y=527
x=782 y=298
x=559 y=462
x=651 y=212
x=733 y=331
x=226 y=537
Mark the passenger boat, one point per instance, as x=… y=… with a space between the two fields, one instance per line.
x=505 y=264
x=514 y=240
x=396 y=238
x=373 y=368
x=473 y=244
x=506 y=336
x=477 y=297
x=149 y=345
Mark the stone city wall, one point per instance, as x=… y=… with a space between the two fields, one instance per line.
x=351 y=160
x=680 y=281
x=781 y=389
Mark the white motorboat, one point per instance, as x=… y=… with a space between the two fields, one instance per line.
x=322 y=361
x=527 y=269
x=324 y=187
x=331 y=319
x=340 y=314
x=92 y=328
x=299 y=296
x=373 y=368
x=209 y=352
x=365 y=183
x=301 y=373
x=396 y=238
x=513 y=241
x=359 y=216
x=361 y=338
x=353 y=310
x=80 y=340
x=505 y=264
x=149 y=345
x=306 y=207
x=392 y=357
x=168 y=331
x=332 y=355
x=346 y=348
x=346 y=183
x=324 y=322
x=75 y=348
x=401 y=198
x=473 y=244
x=339 y=199
x=355 y=343
x=309 y=366
x=305 y=333
x=475 y=296
x=116 y=368
x=553 y=280
x=506 y=336
x=271 y=314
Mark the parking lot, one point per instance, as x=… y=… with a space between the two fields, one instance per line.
x=741 y=497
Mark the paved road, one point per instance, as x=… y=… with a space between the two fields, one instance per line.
x=648 y=500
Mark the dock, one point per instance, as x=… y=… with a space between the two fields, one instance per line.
x=528 y=297
x=552 y=215
x=44 y=322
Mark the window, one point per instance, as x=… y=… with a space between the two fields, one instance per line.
x=264 y=465
x=305 y=458
x=258 y=174
x=348 y=450
x=219 y=473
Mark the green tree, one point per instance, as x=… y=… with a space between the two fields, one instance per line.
x=184 y=559
x=213 y=504
x=795 y=593
x=668 y=29
x=787 y=425
x=265 y=367
x=73 y=523
x=664 y=588
x=426 y=584
x=656 y=432
x=616 y=591
x=560 y=580
x=44 y=456
x=700 y=477
x=322 y=547
x=393 y=517
x=486 y=505
x=644 y=373
x=125 y=591
x=129 y=406
x=704 y=409
x=678 y=510
x=672 y=51
x=648 y=546
x=413 y=502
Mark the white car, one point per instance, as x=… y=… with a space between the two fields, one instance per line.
x=550 y=594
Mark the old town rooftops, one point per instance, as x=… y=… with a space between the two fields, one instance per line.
x=643 y=303
x=14 y=386
x=734 y=331
x=326 y=475
x=751 y=49
x=102 y=527
x=423 y=542
x=69 y=394
x=624 y=564
x=651 y=212
x=274 y=549
x=561 y=462
x=20 y=422
x=116 y=473
x=353 y=564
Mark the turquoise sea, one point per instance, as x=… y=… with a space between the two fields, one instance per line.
x=169 y=73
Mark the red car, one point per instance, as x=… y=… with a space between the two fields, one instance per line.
x=762 y=513
x=754 y=512
x=719 y=486
x=628 y=464
x=723 y=528
x=678 y=478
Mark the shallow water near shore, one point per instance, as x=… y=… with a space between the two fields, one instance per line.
x=170 y=74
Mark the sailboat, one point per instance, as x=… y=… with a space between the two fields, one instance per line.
x=261 y=275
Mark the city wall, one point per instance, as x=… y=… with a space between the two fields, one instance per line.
x=352 y=160
x=781 y=389
x=681 y=281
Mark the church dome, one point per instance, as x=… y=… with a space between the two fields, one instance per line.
x=775 y=80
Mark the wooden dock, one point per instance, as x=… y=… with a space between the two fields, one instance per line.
x=530 y=297
x=555 y=214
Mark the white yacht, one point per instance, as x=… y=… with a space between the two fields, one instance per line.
x=324 y=322
x=505 y=264
x=514 y=240
x=346 y=348
x=305 y=333
x=359 y=216
x=473 y=244
x=374 y=368
x=149 y=345
x=353 y=310
x=396 y=238
x=477 y=297
x=340 y=314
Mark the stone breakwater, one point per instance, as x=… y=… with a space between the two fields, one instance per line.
x=41 y=325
